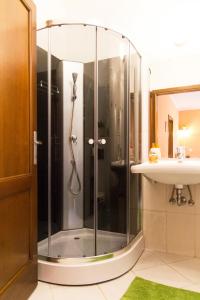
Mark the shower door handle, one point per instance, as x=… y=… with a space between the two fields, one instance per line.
x=91 y=141
x=38 y=142
x=102 y=141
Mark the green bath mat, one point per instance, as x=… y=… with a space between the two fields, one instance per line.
x=141 y=289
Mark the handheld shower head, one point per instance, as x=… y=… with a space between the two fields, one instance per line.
x=74 y=76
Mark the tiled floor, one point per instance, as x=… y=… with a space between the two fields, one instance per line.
x=174 y=270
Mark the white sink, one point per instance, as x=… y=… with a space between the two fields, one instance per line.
x=171 y=171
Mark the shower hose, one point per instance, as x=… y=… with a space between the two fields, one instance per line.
x=72 y=141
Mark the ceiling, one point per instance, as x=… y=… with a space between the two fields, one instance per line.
x=186 y=101
x=160 y=29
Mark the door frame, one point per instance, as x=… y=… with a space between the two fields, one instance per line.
x=170 y=145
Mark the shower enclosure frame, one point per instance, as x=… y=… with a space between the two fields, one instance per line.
x=55 y=269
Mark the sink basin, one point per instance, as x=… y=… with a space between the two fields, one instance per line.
x=171 y=171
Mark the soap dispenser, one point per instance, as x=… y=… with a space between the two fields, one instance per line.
x=154 y=153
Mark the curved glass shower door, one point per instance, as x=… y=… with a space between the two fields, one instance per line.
x=88 y=122
x=112 y=197
x=134 y=212
x=68 y=209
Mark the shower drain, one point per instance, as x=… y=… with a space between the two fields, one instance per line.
x=77 y=238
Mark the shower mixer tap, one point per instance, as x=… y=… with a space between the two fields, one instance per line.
x=102 y=141
x=74 y=139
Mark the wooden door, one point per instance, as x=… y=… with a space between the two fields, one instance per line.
x=170 y=137
x=18 y=255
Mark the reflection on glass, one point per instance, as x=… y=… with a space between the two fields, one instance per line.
x=112 y=157
x=72 y=125
x=42 y=127
x=134 y=144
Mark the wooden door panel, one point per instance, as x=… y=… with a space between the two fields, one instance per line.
x=18 y=206
x=14 y=90
x=14 y=216
x=14 y=185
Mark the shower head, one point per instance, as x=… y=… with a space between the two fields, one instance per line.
x=74 y=76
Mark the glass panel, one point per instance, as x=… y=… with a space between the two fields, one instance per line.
x=42 y=127
x=78 y=213
x=112 y=56
x=72 y=125
x=135 y=142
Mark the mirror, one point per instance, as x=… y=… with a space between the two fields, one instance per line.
x=175 y=121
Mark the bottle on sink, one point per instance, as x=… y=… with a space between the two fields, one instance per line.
x=154 y=153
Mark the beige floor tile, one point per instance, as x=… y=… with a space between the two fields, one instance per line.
x=163 y=274
x=89 y=292
x=190 y=269
x=42 y=292
x=114 y=289
x=181 y=271
x=148 y=259
x=170 y=257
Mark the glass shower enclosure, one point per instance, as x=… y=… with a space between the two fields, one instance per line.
x=88 y=87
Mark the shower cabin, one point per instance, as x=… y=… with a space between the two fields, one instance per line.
x=89 y=133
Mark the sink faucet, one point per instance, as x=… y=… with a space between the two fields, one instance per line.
x=180 y=153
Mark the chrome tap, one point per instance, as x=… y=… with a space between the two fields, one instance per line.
x=180 y=153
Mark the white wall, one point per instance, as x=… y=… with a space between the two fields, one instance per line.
x=178 y=71
x=145 y=85
x=116 y=15
x=153 y=31
x=146 y=27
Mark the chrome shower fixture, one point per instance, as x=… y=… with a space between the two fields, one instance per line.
x=74 y=76
x=73 y=139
